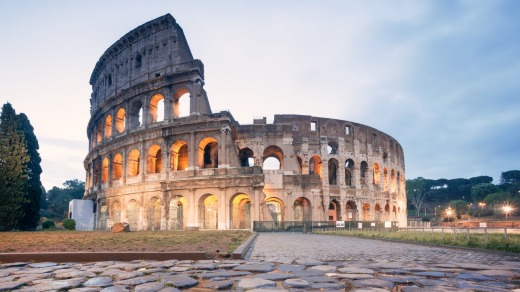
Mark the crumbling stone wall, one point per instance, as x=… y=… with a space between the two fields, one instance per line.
x=157 y=168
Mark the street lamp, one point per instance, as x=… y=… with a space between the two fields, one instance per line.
x=507 y=209
x=482 y=205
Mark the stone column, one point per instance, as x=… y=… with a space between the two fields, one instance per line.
x=193 y=216
x=192 y=153
x=222 y=159
x=223 y=210
x=164 y=209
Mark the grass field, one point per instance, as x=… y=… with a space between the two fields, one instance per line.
x=98 y=241
x=483 y=241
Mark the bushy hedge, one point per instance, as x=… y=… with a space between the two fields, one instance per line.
x=49 y=224
x=69 y=224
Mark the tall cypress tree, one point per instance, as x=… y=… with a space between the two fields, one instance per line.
x=13 y=170
x=31 y=207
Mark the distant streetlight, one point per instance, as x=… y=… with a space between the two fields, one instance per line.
x=449 y=212
x=507 y=209
x=482 y=205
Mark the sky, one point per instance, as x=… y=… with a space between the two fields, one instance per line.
x=440 y=76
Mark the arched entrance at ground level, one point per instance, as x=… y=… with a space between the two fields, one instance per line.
x=274 y=210
x=334 y=211
x=154 y=214
x=208 y=212
x=351 y=211
x=132 y=214
x=240 y=212
x=387 y=212
x=394 y=213
x=177 y=220
x=366 y=212
x=302 y=210
x=377 y=211
x=103 y=217
x=115 y=212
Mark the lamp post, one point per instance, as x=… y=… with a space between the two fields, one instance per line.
x=507 y=209
x=482 y=204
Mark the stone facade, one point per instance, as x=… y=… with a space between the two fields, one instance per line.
x=160 y=159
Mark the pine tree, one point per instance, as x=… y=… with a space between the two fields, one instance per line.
x=13 y=170
x=31 y=207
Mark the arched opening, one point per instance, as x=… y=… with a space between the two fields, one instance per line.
x=334 y=211
x=333 y=172
x=393 y=182
x=208 y=153
x=154 y=214
x=120 y=120
x=208 y=212
x=136 y=115
x=274 y=209
x=273 y=158
x=385 y=180
x=108 y=126
x=117 y=167
x=315 y=165
x=154 y=159
x=351 y=209
x=103 y=217
x=302 y=210
x=394 y=212
x=332 y=147
x=132 y=214
x=349 y=169
x=99 y=133
x=156 y=108
x=363 y=172
x=97 y=170
x=133 y=162
x=366 y=212
x=179 y=156
x=104 y=171
x=177 y=219
x=377 y=211
x=376 y=174
x=300 y=164
x=240 y=213
x=387 y=212
x=246 y=157
x=115 y=212
x=398 y=182
x=181 y=103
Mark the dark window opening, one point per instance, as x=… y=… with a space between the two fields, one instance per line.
x=109 y=79
x=138 y=61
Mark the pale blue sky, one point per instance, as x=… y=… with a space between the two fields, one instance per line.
x=442 y=77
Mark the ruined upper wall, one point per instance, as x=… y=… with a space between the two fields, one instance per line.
x=152 y=50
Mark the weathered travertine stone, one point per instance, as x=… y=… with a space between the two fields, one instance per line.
x=154 y=286
x=263 y=268
x=255 y=283
x=179 y=281
x=99 y=282
x=296 y=283
x=219 y=285
x=137 y=280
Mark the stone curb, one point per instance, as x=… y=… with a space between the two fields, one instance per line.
x=241 y=251
x=62 y=257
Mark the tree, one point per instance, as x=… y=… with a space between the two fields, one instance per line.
x=480 y=191
x=460 y=207
x=416 y=191
x=31 y=207
x=510 y=182
x=483 y=179
x=59 y=198
x=13 y=170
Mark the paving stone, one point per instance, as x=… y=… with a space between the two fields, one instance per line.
x=42 y=265
x=319 y=279
x=15 y=264
x=400 y=279
x=355 y=270
x=180 y=269
x=268 y=290
x=255 y=283
x=324 y=268
x=355 y=276
x=99 y=282
x=274 y=276
x=284 y=260
x=169 y=289
x=296 y=283
x=136 y=280
x=394 y=272
x=290 y=268
x=33 y=271
x=308 y=262
x=219 y=285
x=500 y=273
x=179 y=281
x=475 y=277
x=204 y=266
x=115 y=289
x=308 y=273
x=328 y=286
x=262 y=268
x=126 y=266
x=223 y=273
x=51 y=284
x=121 y=275
x=373 y=283
x=433 y=274
x=146 y=287
x=227 y=266
x=8 y=286
x=74 y=274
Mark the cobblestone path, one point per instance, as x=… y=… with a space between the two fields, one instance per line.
x=285 y=262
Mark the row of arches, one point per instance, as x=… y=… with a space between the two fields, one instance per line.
x=133 y=115
x=175 y=215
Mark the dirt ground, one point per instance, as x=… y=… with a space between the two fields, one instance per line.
x=102 y=241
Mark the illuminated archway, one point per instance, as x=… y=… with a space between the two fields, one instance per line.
x=133 y=162
x=240 y=213
x=154 y=159
x=273 y=158
x=376 y=178
x=181 y=103
x=156 y=108
x=334 y=211
x=366 y=212
x=302 y=210
x=132 y=214
x=117 y=167
x=108 y=126
x=104 y=171
x=115 y=212
x=385 y=180
x=208 y=153
x=178 y=206
x=351 y=211
x=154 y=214
x=274 y=210
x=179 y=156
x=121 y=120
x=315 y=165
x=208 y=212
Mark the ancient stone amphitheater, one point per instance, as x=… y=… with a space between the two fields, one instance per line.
x=160 y=159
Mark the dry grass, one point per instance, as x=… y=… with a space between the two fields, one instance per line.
x=99 y=241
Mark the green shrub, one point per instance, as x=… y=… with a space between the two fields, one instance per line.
x=49 y=224
x=425 y=219
x=448 y=219
x=69 y=224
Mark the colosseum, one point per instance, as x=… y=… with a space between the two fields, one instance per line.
x=160 y=159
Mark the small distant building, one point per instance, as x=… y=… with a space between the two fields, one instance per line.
x=82 y=211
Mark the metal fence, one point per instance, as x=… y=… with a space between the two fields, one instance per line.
x=310 y=226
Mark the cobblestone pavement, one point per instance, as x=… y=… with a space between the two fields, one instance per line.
x=286 y=262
